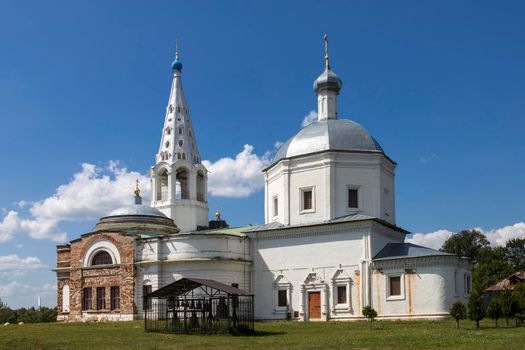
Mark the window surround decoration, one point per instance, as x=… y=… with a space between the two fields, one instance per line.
x=106 y=245
x=401 y=295
x=359 y=205
x=341 y=279
x=302 y=190
x=281 y=283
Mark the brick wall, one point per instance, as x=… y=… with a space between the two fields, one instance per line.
x=70 y=271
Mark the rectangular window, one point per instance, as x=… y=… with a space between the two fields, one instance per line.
x=307 y=200
x=352 y=198
x=115 y=298
x=146 y=304
x=86 y=299
x=395 y=285
x=235 y=285
x=341 y=294
x=467 y=284
x=101 y=298
x=275 y=206
x=282 y=298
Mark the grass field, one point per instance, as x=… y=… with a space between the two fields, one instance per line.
x=271 y=335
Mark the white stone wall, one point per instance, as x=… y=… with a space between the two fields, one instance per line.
x=223 y=258
x=316 y=258
x=428 y=287
x=330 y=175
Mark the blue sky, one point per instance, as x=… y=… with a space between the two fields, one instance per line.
x=439 y=84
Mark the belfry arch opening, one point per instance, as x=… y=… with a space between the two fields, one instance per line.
x=162 y=185
x=182 y=189
x=201 y=187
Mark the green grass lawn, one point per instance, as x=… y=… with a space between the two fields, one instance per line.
x=271 y=335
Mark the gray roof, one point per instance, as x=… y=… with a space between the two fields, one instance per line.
x=406 y=250
x=328 y=80
x=275 y=225
x=328 y=135
x=136 y=210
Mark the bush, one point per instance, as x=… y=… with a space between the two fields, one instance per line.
x=494 y=310
x=458 y=311
x=508 y=305
x=370 y=314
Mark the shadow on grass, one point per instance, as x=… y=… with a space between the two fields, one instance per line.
x=265 y=333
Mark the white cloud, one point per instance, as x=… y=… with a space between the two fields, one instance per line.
x=92 y=192
x=277 y=144
x=309 y=118
x=432 y=240
x=496 y=237
x=16 y=294
x=14 y=265
x=239 y=177
x=500 y=236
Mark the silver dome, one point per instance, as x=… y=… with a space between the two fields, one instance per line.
x=328 y=80
x=136 y=210
x=331 y=134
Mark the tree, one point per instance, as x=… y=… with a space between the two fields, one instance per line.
x=466 y=243
x=476 y=311
x=492 y=267
x=515 y=253
x=458 y=312
x=518 y=294
x=508 y=305
x=6 y=314
x=370 y=314
x=494 y=310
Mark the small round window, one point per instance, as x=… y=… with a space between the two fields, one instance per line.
x=181 y=143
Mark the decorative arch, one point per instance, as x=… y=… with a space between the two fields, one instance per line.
x=98 y=246
x=314 y=282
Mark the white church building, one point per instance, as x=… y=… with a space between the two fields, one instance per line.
x=328 y=247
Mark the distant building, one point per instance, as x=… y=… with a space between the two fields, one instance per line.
x=508 y=283
x=329 y=245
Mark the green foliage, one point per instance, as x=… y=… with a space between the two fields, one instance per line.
x=369 y=312
x=466 y=243
x=515 y=253
x=494 y=310
x=458 y=311
x=476 y=311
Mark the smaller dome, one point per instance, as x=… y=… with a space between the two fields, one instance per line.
x=176 y=65
x=328 y=80
x=136 y=210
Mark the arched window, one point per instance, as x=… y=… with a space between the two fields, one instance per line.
x=102 y=258
x=181 y=143
x=182 y=185
x=162 y=185
x=180 y=130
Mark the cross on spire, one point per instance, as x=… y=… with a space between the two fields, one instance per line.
x=177 y=49
x=326 y=51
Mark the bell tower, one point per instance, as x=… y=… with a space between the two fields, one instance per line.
x=178 y=178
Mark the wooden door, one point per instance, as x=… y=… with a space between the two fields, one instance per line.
x=314 y=305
